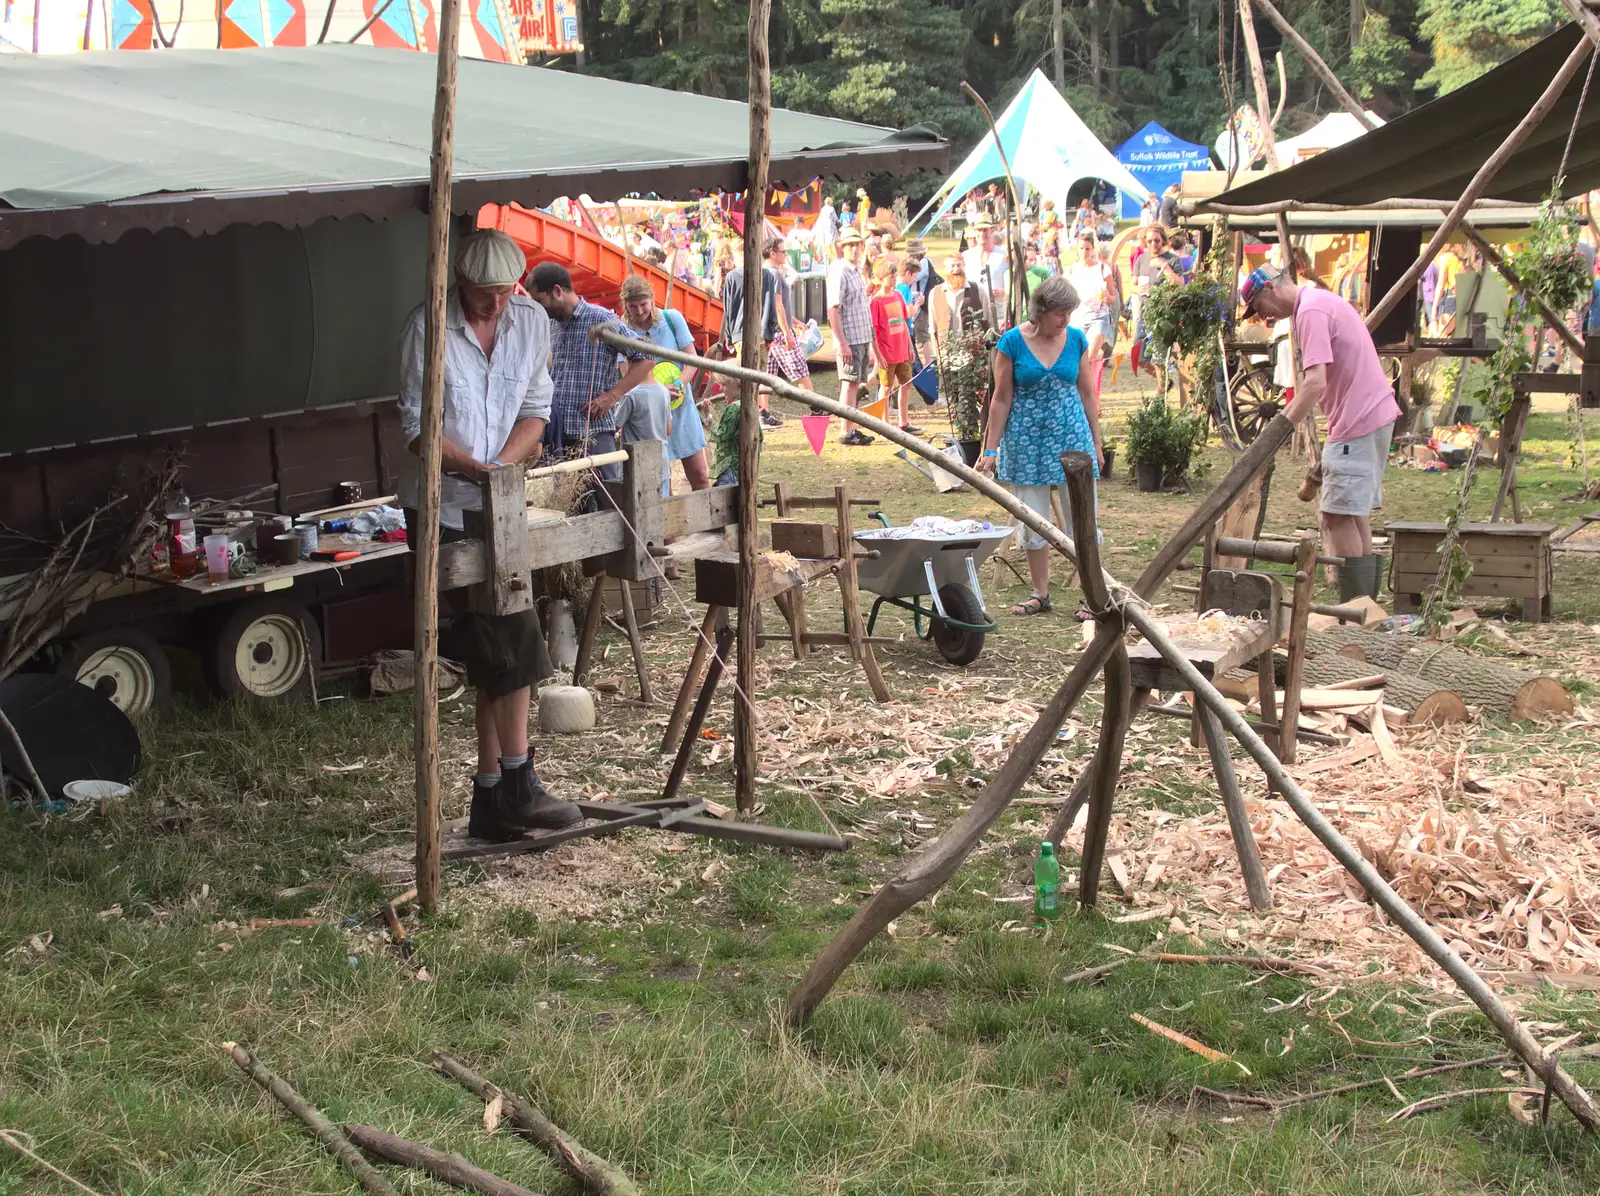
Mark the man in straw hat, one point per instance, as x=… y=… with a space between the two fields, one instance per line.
x=497 y=394
x=850 y=317
x=987 y=266
x=1341 y=374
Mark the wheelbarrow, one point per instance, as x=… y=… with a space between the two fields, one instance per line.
x=941 y=571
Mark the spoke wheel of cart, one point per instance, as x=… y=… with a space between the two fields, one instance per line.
x=265 y=651
x=1253 y=400
x=125 y=665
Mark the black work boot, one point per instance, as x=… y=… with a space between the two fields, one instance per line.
x=525 y=803
x=484 y=822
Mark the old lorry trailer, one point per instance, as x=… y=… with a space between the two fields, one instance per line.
x=207 y=256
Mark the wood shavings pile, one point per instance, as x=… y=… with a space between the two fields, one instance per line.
x=1502 y=866
x=1211 y=629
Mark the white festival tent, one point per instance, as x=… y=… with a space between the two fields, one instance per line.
x=1336 y=128
x=1049 y=148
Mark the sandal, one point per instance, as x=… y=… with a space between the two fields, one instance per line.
x=1084 y=615
x=1037 y=604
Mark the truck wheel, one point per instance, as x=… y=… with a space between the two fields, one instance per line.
x=265 y=651
x=124 y=664
x=956 y=644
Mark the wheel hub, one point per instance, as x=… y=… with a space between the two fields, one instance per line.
x=271 y=656
x=122 y=675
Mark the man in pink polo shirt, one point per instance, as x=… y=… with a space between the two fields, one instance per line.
x=1339 y=373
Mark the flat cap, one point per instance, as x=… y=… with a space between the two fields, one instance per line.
x=490 y=259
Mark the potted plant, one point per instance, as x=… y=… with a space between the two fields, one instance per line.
x=1161 y=442
x=1108 y=455
x=964 y=381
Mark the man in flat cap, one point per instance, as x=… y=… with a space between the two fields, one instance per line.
x=496 y=402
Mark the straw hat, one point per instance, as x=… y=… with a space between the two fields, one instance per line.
x=850 y=236
x=981 y=222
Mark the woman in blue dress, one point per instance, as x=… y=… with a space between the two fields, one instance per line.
x=1037 y=413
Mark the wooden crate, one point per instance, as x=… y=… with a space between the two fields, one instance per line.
x=646 y=597
x=1509 y=560
x=803 y=539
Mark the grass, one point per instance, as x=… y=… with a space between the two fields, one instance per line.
x=951 y=1059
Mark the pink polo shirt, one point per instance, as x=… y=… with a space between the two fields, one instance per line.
x=1331 y=332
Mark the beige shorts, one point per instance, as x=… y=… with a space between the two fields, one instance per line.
x=1352 y=473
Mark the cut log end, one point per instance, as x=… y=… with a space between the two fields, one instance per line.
x=1540 y=698
x=1438 y=708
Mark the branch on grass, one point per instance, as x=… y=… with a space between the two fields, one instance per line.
x=595 y=1174
x=450 y=1168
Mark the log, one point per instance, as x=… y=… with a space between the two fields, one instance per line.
x=449 y=1168
x=1494 y=688
x=327 y=1133
x=1423 y=702
x=593 y=1173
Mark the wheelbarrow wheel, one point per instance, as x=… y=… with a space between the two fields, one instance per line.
x=956 y=644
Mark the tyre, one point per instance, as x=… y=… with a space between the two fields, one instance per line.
x=265 y=650
x=124 y=664
x=956 y=644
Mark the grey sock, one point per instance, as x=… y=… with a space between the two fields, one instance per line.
x=486 y=780
x=513 y=761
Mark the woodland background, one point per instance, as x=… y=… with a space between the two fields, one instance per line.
x=899 y=62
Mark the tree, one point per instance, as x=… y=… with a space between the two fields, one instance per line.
x=1471 y=36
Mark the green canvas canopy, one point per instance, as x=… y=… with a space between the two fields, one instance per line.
x=98 y=144
x=1433 y=151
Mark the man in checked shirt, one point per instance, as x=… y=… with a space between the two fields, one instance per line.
x=588 y=381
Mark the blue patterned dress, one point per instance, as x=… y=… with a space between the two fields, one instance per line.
x=1047 y=416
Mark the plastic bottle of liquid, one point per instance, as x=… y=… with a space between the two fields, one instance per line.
x=180 y=526
x=1046 y=885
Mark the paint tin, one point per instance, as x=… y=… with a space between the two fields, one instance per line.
x=308 y=533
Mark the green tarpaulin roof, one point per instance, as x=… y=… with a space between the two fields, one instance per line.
x=1433 y=151
x=96 y=144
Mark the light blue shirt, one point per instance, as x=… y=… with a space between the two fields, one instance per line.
x=484 y=397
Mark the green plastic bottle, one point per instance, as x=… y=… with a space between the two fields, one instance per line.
x=1046 y=885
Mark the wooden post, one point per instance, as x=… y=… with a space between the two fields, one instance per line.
x=638 y=498
x=425 y=599
x=1305 y=582
x=592 y=614
x=702 y=705
x=630 y=620
x=755 y=224
x=1314 y=61
x=797 y=596
x=1258 y=76
x=691 y=678
x=1481 y=180
x=1244 y=840
x=850 y=590
x=508 y=562
x=1116 y=711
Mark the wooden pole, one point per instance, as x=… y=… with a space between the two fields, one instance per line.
x=1481 y=180
x=1314 y=60
x=755 y=223
x=326 y=1132
x=1492 y=256
x=593 y=1173
x=447 y=1168
x=425 y=599
x=1116 y=711
x=930 y=869
x=1585 y=17
x=1190 y=207
x=1015 y=277
x=1258 y=77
